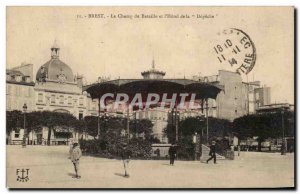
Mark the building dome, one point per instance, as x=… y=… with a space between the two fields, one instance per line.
x=55 y=69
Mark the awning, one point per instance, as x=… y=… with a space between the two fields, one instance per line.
x=63 y=129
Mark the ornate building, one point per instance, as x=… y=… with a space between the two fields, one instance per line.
x=56 y=89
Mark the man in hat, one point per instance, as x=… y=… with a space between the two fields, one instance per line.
x=75 y=154
x=212 y=152
x=126 y=158
x=172 y=154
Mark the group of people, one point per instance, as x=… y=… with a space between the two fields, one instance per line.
x=75 y=154
x=212 y=153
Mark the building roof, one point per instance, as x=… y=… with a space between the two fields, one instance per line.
x=53 y=69
x=153 y=70
x=14 y=72
x=170 y=86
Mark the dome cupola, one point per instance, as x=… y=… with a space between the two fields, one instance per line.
x=55 y=69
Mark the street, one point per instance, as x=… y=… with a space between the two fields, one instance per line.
x=49 y=167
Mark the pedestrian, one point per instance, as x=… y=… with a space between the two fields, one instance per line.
x=75 y=154
x=126 y=154
x=172 y=154
x=212 y=152
x=157 y=152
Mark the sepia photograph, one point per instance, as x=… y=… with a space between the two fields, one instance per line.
x=150 y=97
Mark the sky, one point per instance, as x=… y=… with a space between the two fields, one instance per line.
x=182 y=47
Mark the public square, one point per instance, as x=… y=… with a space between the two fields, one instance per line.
x=49 y=167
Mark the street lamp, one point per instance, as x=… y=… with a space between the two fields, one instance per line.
x=175 y=118
x=98 y=118
x=206 y=103
x=25 y=133
x=202 y=120
x=283 y=135
x=195 y=144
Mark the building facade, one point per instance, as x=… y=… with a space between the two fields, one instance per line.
x=56 y=89
x=238 y=98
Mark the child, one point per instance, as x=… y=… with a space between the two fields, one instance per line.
x=126 y=158
x=75 y=154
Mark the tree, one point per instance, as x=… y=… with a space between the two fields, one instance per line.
x=218 y=128
x=170 y=132
x=267 y=125
x=187 y=127
x=111 y=138
x=14 y=120
x=141 y=126
x=38 y=119
x=91 y=123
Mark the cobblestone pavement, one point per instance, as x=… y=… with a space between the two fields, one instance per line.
x=49 y=167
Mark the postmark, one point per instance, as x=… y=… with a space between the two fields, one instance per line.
x=235 y=48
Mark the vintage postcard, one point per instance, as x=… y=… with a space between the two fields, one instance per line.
x=150 y=97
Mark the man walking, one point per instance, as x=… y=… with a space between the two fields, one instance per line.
x=212 y=152
x=126 y=158
x=172 y=154
x=75 y=154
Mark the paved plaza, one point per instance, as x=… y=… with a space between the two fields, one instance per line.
x=49 y=167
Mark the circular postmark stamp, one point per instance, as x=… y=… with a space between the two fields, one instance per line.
x=236 y=49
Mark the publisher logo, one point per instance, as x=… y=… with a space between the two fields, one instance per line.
x=22 y=175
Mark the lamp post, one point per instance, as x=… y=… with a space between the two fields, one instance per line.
x=175 y=118
x=127 y=124
x=176 y=124
x=283 y=135
x=206 y=103
x=25 y=132
x=98 y=119
x=195 y=144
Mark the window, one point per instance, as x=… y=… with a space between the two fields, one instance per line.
x=70 y=100
x=27 y=79
x=257 y=96
x=8 y=90
x=80 y=101
x=80 y=116
x=17 y=91
x=61 y=99
x=94 y=104
x=17 y=135
x=27 y=91
x=146 y=115
x=40 y=97
x=18 y=78
x=8 y=104
x=52 y=100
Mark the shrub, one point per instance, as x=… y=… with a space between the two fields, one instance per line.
x=112 y=147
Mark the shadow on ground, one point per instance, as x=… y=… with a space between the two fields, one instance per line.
x=120 y=174
x=71 y=174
